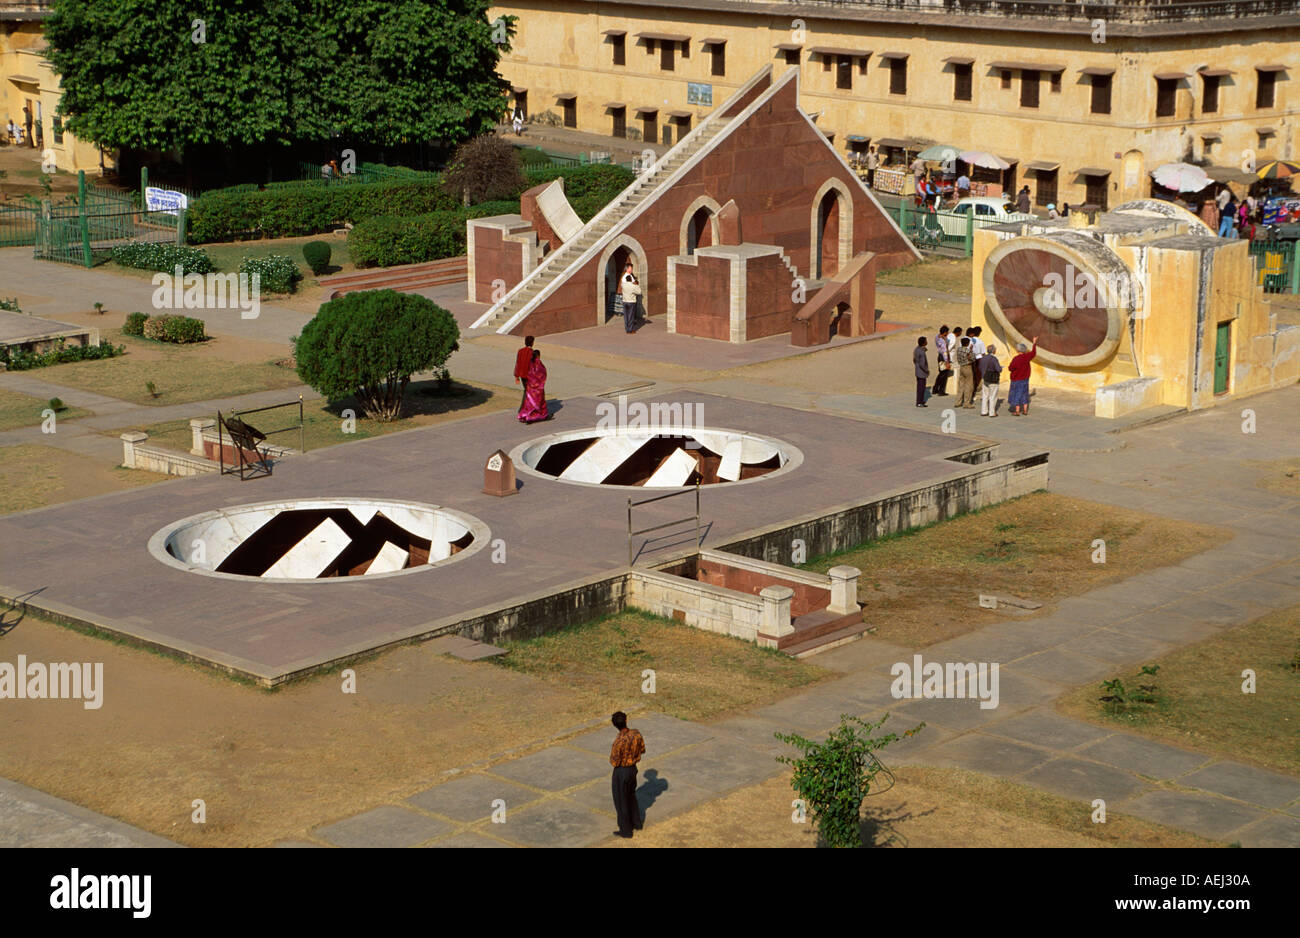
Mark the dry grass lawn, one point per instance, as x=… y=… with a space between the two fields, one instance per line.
x=324 y=425
x=33 y=476
x=927 y=807
x=1200 y=704
x=23 y=410
x=1036 y=547
x=220 y=367
x=271 y=765
x=945 y=275
x=698 y=674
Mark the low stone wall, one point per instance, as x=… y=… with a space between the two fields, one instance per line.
x=138 y=454
x=856 y=523
x=702 y=605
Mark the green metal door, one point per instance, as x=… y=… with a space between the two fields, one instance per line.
x=1221 y=340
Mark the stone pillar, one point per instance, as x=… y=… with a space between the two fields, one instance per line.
x=776 y=615
x=130 y=440
x=844 y=590
x=197 y=426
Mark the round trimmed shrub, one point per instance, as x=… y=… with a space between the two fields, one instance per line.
x=317 y=256
x=181 y=330
x=135 y=324
x=369 y=344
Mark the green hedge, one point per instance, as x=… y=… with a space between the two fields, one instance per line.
x=232 y=215
x=391 y=239
x=588 y=188
x=17 y=360
x=135 y=324
x=277 y=272
x=182 y=330
x=145 y=255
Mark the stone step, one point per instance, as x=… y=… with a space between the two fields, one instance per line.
x=815 y=631
x=850 y=633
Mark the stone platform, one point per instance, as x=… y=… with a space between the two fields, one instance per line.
x=561 y=548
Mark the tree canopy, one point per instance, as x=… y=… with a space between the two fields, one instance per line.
x=158 y=74
x=369 y=343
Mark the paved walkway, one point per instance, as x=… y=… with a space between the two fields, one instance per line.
x=559 y=795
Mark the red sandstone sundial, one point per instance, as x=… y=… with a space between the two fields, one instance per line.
x=1071 y=293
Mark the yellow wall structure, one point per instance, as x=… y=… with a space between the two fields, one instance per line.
x=562 y=48
x=26 y=76
x=1188 y=283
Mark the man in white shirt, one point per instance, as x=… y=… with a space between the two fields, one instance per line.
x=978 y=350
x=873 y=164
x=1223 y=198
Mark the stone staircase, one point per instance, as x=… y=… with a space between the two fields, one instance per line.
x=554 y=266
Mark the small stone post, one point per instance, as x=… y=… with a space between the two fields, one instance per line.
x=130 y=440
x=197 y=426
x=844 y=590
x=776 y=615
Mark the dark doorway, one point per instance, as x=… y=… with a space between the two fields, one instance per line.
x=613 y=275
x=699 y=230
x=826 y=252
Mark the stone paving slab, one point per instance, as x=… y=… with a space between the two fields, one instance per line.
x=31 y=818
x=1287 y=576
x=866 y=654
x=554 y=769
x=1274 y=830
x=478 y=651
x=662 y=735
x=467 y=840
x=1067 y=667
x=1246 y=783
x=916 y=749
x=988 y=754
x=1152 y=759
x=658 y=798
x=804 y=715
x=1216 y=611
x=1200 y=814
x=1116 y=647
x=718 y=767
x=1164 y=625
x=1256 y=591
x=1077 y=778
x=755 y=733
x=469 y=797
x=955 y=714
x=387 y=826
x=556 y=822
x=1045 y=727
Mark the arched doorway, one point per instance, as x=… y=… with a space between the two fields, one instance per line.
x=613 y=273
x=699 y=230
x=830 y=242
x=826 y=253
x=609 y=269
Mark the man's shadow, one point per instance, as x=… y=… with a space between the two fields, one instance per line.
x=12 y=613
x=649 y=791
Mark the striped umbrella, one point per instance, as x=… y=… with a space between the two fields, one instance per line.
x=1278 y=169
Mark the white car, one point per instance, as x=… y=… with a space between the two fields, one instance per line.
x=988 y=210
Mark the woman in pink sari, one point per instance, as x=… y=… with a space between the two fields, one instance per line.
x=534 y=408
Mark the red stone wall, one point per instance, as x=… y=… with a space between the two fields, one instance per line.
x=806 y=598
x=530 y=213
x=495 y=258
x=704 y=298
x=773 y=167
x=771 y=306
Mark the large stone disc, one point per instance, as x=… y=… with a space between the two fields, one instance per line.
x=1068 y=290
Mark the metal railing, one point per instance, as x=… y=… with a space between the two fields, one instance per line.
x=631 y=551
x=240 y=415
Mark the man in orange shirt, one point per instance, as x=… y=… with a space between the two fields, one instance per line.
x=627 y=750
x=523 y=360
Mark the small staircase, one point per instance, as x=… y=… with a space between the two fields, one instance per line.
x=404 y=278
x=559 y=261
x=821 y=631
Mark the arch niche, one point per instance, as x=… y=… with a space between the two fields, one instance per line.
x=617 y=253
x=830 y=240
x=699 y=227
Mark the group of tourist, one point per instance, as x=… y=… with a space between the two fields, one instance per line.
x=979 y=372
x=1230 y=217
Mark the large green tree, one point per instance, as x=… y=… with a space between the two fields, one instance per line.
x=161 y=74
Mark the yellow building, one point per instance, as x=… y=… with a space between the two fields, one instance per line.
x=1140 y=306
x=28 y=81
x=1083 y=109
